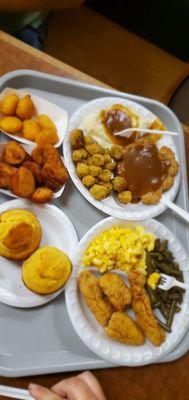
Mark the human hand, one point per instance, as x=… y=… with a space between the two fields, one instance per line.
x=81 y=387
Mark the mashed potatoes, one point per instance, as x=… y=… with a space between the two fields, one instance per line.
x=119 y=248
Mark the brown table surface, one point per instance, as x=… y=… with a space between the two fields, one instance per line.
x=154 y=382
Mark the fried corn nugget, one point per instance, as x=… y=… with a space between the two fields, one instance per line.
x=9 y=104
x=54 y=175
x=143 y=310
x=116 y=290
x=46 y=122
x=30 y=129
x=152 y=197
x=35 y=169
x=14 y=154
x=11 y=125
x=25 y=108
x=23 y=183
x=42 y=195
x=6 y=174
x=94 y=297
x=46 y=136
x=77 y=139
x=122 y=328
x=99 y=192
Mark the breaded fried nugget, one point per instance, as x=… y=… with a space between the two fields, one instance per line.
x=94 y=297
x=41 y=154
x=35 y=169
x=14 y=154
x=122 y=328
x=46 y=136
x=25 y=108
x=152 y=197
x=116 y=290
x=54 y=175
x=42 y=195
x=6 y=174
x=77 y=139
x=143 y=310
x=99 y=192
x=46 y=122
x=11 y=125
x=9 y=104
x=30 y=129
x=23 y=183
x=38 y=155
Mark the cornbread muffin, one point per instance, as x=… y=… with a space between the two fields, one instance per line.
x=46 y=271
x=20 y=234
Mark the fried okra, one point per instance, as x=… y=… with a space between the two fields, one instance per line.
x=125 y=197
x=99 y=192
x=82 y=170
x=79 y=155
x=88 y=181
x=77 y=139
x=119 y=184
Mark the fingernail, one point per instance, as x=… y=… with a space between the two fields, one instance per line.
x=33 y=386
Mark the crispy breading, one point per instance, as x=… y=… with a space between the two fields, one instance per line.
x=9 y=104
x=11 y=125
x=38 y=155
x=94 y=297
x=152 y=197
x=35 y=169
x=122 y=328
x=23 y=183
x=116 y=290
x=6 y=174
x=143 y=310
x=77 y=139
x=30 y=129
x=14 y=154
x=46 y=136
x=54 y=175
x=42 y=195
x=167 y=183
x=25 y=108
x=41 y=154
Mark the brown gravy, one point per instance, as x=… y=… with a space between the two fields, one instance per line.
x=143 y=169
x=114 y=121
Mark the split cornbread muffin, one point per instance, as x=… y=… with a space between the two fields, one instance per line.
x=20 y=234
x=47 y=270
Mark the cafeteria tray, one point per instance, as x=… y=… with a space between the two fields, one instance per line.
x=42 y=340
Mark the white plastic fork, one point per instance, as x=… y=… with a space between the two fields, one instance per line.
x=14 y=393
x=127 y=132
x=167 y=282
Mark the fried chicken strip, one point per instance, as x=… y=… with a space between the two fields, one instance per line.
x=116 y=290
x=142 y=308
x=121 y=327
x=94 y=297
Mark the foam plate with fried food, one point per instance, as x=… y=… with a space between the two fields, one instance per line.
x=87 y=120
x=19 y=116
x=43 y=242
x=7 y=172
x=125 y=338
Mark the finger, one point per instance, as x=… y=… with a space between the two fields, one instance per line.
x=74 y=388
x=42 y=393
x=93 y=384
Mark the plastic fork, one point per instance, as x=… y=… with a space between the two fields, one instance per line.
x=167 y=282
x=14 y=393
x=127 y=132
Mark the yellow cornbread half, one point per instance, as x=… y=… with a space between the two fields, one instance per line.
x=47 y=270
x=20 y=234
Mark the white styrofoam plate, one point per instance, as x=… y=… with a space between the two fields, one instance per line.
x=92 y=334
x=57 y=231
x=58 y=115
x=28 y=149
x=111 y=205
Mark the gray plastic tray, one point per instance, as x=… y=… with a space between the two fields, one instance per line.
x=42 y=340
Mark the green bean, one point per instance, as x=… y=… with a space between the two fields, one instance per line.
x=157 y=244
x=163 y=245
x=171 y=313
x=164 y=326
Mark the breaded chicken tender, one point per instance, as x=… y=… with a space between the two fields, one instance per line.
x=42 y=195
x=152 y=197
x=94 y=297
x=119 y=184
x=23 y=183
x=122 y=328
x=9 y=104
x=77 y=139
x=35 y=169
x=116 y=290
x=46 y=136
x=30 y=129
x=6 y=174
x=54 y=175
x=25 y=108
x=99 y=192
x=11 y=125
x=14 y=154
x=143 y=310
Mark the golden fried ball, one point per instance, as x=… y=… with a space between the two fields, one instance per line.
x=82 y=170
x=107 y=157
x=107 y=185
x=94 y=170
x=88 y=140
x=125 y=197
x=97 y=160
x=94 y=148
x=46 y=136
x=88 y=181
x=119 y=184
x=116 y=152
x=9 y=104
x=77 y=139
x=99 y=192
x=105 y=175
x=30 y=129
x=11 y=124
x=25 y=108
x=79 y=155
x=110 y=165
